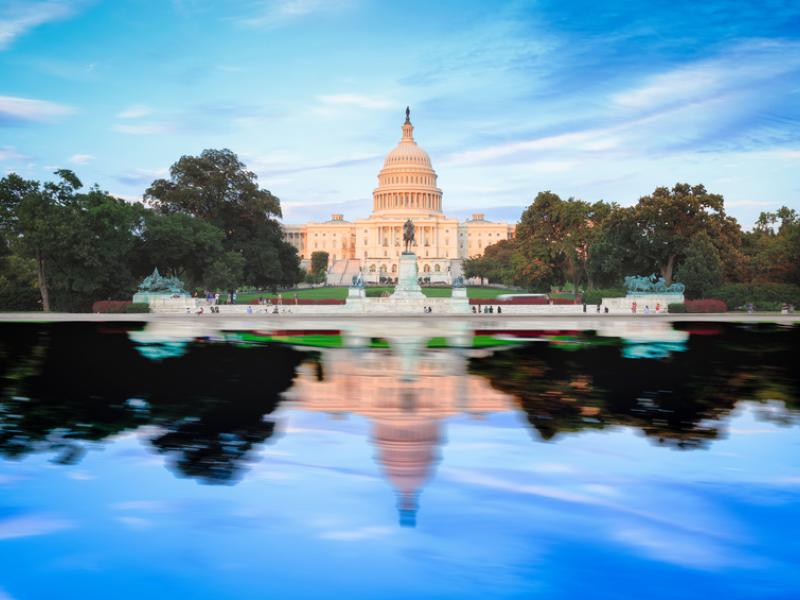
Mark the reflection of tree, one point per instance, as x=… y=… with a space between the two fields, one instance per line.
x=678 y=401
x=65 y=385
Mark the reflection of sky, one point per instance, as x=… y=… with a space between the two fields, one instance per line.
x=597 y=514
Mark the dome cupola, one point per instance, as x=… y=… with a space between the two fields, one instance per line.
x=407 y=182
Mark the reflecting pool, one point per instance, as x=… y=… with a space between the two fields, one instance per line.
x=647 y=461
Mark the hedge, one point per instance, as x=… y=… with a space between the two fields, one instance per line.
x=706 y=305
x=111 y=306
x=676 y=307
x=137 y=307
x=763 y=296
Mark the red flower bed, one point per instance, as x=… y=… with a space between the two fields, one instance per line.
x=110 y=306
x=708 y=305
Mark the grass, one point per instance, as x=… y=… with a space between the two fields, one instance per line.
x=340 y=293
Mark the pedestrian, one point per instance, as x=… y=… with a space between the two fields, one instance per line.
x=633 y=308
x=658 y=307
x=216 y=298
x=605 y=309
x=499 y=310
x=584 y=307
x=249 y=310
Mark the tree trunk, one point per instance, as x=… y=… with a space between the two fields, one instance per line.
x=666 y=270
x=42 y=281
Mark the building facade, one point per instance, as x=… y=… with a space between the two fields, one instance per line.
x=407 y=189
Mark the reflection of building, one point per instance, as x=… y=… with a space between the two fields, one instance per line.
x=407 y=189
x=407 y=415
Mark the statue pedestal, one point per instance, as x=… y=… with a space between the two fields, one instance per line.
x=460 y=292
x=407 y=278
x=355 y=292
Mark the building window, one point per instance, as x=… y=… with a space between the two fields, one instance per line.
x=394 y=268
x=426 y=269
x=372 y=268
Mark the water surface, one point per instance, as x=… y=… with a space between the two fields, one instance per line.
x=656 y=463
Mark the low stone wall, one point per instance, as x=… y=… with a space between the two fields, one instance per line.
x=625 y=305
x=367 y=306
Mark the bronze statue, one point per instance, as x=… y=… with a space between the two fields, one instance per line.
x=408 y=115
x=408 y=234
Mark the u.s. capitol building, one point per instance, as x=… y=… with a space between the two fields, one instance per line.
x=407 y=189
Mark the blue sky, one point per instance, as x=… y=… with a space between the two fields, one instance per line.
x=592 y=100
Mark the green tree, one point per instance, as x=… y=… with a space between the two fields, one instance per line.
x=186 y=247
x=217 y=188
x=319 y=262
x=702 y=269
x=667 y=220
x=37 y=224
x=773 y=247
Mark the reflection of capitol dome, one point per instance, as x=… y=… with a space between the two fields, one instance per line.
x=407 y=182
x=407 y=450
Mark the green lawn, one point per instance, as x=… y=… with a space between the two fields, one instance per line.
x=340 y=293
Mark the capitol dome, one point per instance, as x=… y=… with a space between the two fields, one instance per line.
x=407 y=182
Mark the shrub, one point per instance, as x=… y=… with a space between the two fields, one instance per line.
x=596 y=296
x=763 y=296
x=110 y=306
x=137 y=307
x=676 y=307
x=707 y=305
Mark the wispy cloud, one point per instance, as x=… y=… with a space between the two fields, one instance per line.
x=141 y=177
x=268 y=14
x=81 y=159
x=19 y=17
x=149 y=128
x=135 y=111
x=31 y=525
x=9 y=153
x=14 y=110
x=357 y=101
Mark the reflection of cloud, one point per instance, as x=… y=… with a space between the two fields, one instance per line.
x=357 y=534
x=143 y=505
x=675 y=547
x=31 y=525
x=80 y=476
x=137 y=523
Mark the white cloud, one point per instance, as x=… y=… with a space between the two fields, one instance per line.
x=29 y=109
x=143 y=128
x=273 y=13
x=9 y=153
x=81 y=159
x=357 y=101
x=135 y=111
x=80 y=475
x=740 y=68
x=31 y=525
x=17 y=18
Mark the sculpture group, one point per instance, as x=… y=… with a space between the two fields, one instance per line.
x=155 y=283
x=652 y=285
